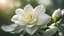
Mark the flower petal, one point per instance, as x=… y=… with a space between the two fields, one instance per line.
x=32 y=30
x=53 y=26
x=18 y=19
x=20 y=23
x=8 y=28
x=29 y=26
x=18 y=29
x=19 y=12
x=50 y=32
x=15 y=18
x=28 y=8
x=43 y=19
x=39 y=10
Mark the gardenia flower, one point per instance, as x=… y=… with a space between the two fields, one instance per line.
x=28 y=20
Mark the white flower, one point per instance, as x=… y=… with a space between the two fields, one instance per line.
x=29 y=19
x=56 y=14
x=49 y=32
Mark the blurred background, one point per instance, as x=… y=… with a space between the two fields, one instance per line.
x=8 y=7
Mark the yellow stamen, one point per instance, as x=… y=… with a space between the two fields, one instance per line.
x=29 y=17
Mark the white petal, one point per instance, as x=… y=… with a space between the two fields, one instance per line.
x=8 y=28
x=43 y=19
x=53 y=26
x=32 y=30
x=29 y=26
x=22 y=21
x=19 y=19
x=18 y=29
x=50 y=32
x=39 y=10
x=19 y=12
x=28 y=8
x=15 y=18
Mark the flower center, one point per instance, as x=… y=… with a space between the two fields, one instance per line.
x=29 y=17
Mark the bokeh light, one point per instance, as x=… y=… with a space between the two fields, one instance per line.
x=11 y=5
x=45 y=2
x=28 y=0
x=3 y=3
x=17 y=4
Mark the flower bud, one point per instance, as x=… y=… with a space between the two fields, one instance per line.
x=56 y=14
